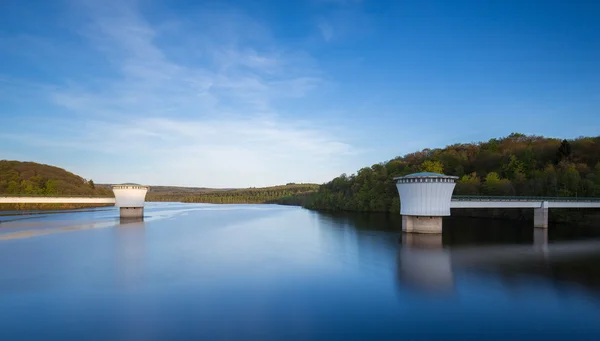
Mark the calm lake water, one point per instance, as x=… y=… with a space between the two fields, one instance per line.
x=267 y=272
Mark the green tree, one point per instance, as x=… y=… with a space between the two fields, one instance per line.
x=468 y=185
x=569 y=179
x=550 y=177
x=491 y=183
x=51 y=187
x=432 y=166
x=513 y=168
x=29 y=188
x=529 y=161
x=13 y=187
x=564 y=151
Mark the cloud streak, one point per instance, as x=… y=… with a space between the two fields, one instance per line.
x=201 y=113
x=326 y=30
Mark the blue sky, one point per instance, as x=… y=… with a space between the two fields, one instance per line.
x=255 y=93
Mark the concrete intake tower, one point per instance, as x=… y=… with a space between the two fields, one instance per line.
x=130 y=199
x=424 y=200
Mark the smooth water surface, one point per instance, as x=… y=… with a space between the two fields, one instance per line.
x=267 y=272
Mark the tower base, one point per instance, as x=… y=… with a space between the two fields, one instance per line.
x=418 y=224
x=131 y=212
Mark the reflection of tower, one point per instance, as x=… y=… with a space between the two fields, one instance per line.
x=540 y=241
x=130 y=252
x=130 y=199
x=422 y=241
x=424 y=200
x=424 y=264
x=540 y=237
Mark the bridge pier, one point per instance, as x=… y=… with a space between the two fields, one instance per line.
x=540 y=216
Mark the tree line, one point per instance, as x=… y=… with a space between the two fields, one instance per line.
x=262 y=195
x=516 y=165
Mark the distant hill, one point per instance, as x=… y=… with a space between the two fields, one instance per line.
x=161 y=190
x=175 y=189
x=174 y=193
x=273 y=194
x=31 y=178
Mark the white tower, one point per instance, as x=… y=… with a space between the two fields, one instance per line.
x=130 y=199
x=424 y=200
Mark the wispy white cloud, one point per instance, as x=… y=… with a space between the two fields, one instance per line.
x=221 y=153
x=199 y=112
x=229 y=72
x=345 y=20
x=326 y=30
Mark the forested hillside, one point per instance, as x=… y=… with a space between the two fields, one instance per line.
x=252 y=195
x=515 y=165
x=30 y=178
x=174 y=193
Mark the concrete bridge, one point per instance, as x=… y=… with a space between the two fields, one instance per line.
x=540 y=205
x=129 y=198
x=426 y=197
x=57 y=200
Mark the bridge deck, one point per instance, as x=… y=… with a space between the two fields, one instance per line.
x=522 y=202
x=457 y=201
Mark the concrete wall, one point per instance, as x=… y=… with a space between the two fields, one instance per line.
x=414 y=224
x=55 y=200
x=131 y=212
x=130 y=196
x=425 y=199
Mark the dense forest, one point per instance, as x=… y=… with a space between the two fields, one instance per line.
x=514 y=165
x=249 y=195
x=34 y=179
x=175 y=194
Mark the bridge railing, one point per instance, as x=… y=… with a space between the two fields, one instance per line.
x=521 y=198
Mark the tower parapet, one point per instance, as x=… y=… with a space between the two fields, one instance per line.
x=130 y=199
x=424 y=199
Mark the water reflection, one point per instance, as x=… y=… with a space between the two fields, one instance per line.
x=423 y=263
x=515 y=252
x=132 y=222
x=540 y=239
x=130 y=251
x=281 y=273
